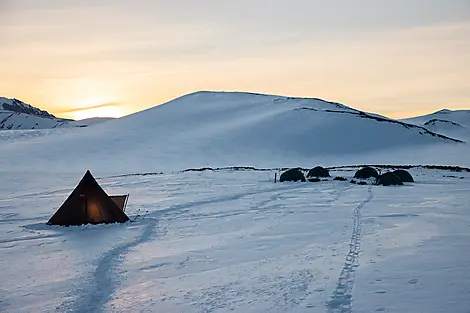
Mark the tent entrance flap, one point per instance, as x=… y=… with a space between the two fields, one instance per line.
x=121 y=201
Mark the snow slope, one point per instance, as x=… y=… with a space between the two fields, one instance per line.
x=237 y=242
x=452 y=123
x=17 y=115
x=224 y=129
x=89 y=121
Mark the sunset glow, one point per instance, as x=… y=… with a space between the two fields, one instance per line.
x=73 y=58
x=102 y=111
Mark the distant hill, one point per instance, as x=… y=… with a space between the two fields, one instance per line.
x=452 y=123
x=225 y=129
x=17 y=115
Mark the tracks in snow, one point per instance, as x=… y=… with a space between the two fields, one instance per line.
x=105 y=281
x=342 y=296
x=95 y=296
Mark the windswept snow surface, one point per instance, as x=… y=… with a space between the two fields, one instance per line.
x=228 y=129
x=237 y=242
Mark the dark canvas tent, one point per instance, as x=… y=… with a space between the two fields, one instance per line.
x=389 y=179
x=88 y=204
x=366 y=172
x=294 y=174
x=318 y=171
x=404 y=176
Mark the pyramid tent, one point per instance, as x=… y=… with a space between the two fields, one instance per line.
x=88 y=204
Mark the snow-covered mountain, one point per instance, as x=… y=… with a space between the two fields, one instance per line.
x=225 y=129
x=455 y=123
x=15 y=114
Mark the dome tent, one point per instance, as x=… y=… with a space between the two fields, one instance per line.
x=318 y=171
x=389 y=179
x=366 y=172
x=404 y=176
x=294 y=174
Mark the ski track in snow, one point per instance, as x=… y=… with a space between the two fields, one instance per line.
x=105 y=277
x=342 y=296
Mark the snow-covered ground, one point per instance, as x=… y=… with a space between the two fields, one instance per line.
x=236 y=242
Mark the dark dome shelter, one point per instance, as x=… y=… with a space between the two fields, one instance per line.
x=404 y=176
x=294 y=174
x=318 y=171
x=389 y=179
x=366 y=172
x=89 y=204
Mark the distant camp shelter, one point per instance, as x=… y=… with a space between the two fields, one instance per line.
x=293 y=175
x=89 y=204
x=404 y=176
x=366 y=172
x=318 y=171
x=389 y=179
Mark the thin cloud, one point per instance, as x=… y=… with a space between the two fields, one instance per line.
x=109 y=104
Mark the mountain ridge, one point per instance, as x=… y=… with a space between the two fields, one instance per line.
x=18 y=115
x=212 y=129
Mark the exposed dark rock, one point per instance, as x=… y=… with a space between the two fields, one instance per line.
x=340 y=178
x=21 y=107
x=436 y=121
x=387 y=166
x=422 y=130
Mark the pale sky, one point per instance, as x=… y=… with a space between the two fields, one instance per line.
x=393 y=57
